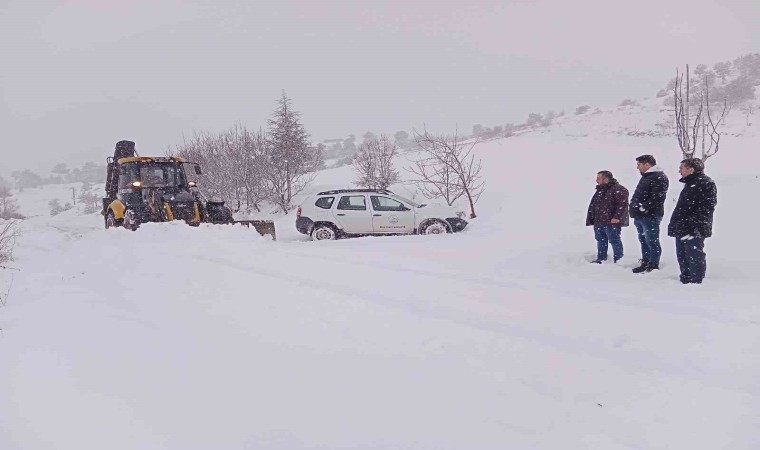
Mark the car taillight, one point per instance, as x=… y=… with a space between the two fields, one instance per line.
x=298 y=214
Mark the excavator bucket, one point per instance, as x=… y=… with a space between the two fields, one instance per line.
x=263 y=227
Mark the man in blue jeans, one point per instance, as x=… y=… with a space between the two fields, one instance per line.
x=692 y=219
x=607 y=213
x=647 y=208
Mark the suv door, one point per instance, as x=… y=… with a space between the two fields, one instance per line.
x=391 y=216
x=352 y=214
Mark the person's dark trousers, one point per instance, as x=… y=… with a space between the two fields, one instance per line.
x=692 y=260
x=649 y=237
x=608 y=235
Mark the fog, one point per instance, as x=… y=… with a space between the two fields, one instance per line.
x=77 y=76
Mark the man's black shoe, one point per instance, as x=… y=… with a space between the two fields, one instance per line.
x=651 y=268
x=642 y=268
x=597 y=261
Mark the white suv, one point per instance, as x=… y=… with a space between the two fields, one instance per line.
x=346 y=212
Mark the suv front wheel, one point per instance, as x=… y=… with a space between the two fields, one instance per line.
x=434 y=227
x=323 y=233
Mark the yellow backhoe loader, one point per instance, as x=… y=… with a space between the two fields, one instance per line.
x=143 y=189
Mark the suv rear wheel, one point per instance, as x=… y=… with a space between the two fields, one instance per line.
x=323 y=233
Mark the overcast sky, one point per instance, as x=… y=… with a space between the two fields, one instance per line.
x=76 y=76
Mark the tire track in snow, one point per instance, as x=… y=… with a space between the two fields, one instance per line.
x=640 y=361
x=523 y=284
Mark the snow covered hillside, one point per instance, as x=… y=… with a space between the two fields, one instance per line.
x=502 y=336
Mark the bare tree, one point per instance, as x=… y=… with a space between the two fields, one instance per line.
x=205 y=150
x=246 y=153
x=233 y=164
x=691 y=132
x=363 y=164
x=8 y=234
x=4 y=297
x=373 y=163
x=8 y=207
x=748 y=111
x=447 y=169
x=435 y=178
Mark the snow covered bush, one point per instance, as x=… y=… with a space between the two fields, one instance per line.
x=56 y=208
x=90 y=200
x=582 y=110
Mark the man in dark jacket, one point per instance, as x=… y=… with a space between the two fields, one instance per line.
x=692 y=219
x=647 y=209
x=607 y=213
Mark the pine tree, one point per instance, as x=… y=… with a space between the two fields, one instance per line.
x=290 y=156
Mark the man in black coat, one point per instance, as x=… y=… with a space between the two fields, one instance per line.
x=647 y=208
x=608 y=212
x=692 y=219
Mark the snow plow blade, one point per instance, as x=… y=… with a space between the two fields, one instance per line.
x=264 y=227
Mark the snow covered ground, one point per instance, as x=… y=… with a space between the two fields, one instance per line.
x=502 y=336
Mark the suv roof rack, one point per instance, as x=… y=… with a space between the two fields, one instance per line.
x=344 y=191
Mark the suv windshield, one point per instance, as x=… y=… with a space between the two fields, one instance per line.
x=408 y=202
x=162 y=175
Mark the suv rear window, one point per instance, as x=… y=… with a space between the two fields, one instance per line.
x=324 y=202
x=353 y=202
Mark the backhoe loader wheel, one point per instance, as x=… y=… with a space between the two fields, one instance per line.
x=130 y=221
x=112 y=221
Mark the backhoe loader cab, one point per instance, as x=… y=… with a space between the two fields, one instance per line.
x=143 y=189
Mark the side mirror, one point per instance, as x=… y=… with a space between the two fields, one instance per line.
x=198 y=170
